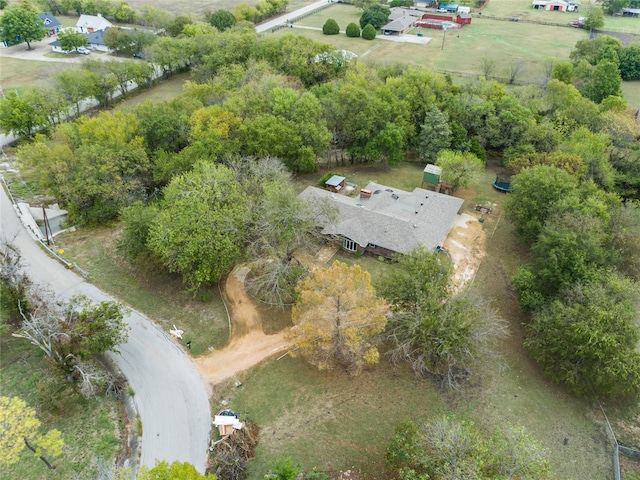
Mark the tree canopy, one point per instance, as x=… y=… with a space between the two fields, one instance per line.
x=375 y=15
x=19 y=428
x=200 y=229
x=177 y=470
x=588 y=337
x=19 y=25
x=448 y=448
x=337 y=318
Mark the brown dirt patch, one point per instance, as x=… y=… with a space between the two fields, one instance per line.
x=248 y=344
x=466 y=245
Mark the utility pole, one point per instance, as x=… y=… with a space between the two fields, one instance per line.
x=444 y=35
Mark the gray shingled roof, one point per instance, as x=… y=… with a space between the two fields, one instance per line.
x=388 y=222
x=398 y=12
x=48 y=20
x=399 y=24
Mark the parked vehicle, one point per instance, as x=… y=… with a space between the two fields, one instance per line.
x=579 y=23
x=83 y=50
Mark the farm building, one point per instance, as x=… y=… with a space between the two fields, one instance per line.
x=438 y=22
x=631 y=12
x=463 y=19
x=385 y=221
x=556 y=5
x=448 y=7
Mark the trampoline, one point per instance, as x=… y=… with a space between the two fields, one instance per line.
x=502 y=182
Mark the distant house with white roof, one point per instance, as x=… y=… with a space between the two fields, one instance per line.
x=556 y=5
x=92 y=23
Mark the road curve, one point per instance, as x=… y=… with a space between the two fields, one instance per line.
x=169 y=393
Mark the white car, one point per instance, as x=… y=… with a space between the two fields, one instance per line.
x=83 y=50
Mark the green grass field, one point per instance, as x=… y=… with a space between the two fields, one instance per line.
x=165 y=90
x=92 y=429
x=15 y=73
x=463 y=50
x=201 y=6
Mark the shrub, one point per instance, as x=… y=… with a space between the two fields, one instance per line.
x=353 y=30
x=369 y=32
x=330 y=27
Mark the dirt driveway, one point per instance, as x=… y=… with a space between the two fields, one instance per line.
x=248 y=345
x=38 y=52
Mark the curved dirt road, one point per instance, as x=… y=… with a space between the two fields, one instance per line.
x=171 y=399
x=248 y=345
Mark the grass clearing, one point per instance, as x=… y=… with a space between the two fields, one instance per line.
x=524 y=10
x=16 y=73
x=631 y=91
x=329 y=420
x=164 y=90
x=463 y=49
x=158 y=295
x=92 y=429
x=199 y=7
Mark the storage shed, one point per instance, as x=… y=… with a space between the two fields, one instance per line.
x=431 y=174
x=463 y=19
x=334 y=184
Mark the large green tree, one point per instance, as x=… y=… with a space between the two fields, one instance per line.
x=20 y=114
x=435 y=333
x=588 y=338
x=594 y=19
x=435 y=134
x=76 y=86
x=70 y=40
x=630 y=62
x=222 y=19
x=199 y=231
x=459 y=168
x=601 y=81
x=95 y=166
x=19 y=25
x=535 y=193
x=376 y=15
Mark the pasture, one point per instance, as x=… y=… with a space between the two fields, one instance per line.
x=503 y=42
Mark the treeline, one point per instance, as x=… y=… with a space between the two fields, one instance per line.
x=148 y=15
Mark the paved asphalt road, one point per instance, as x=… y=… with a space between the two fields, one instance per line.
x=169 y=393
x=282 y=19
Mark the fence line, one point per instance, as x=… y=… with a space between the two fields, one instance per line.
x=556 y=24
x=479 y=76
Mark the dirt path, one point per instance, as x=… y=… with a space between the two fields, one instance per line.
x=466 y=245
x=248 y=345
